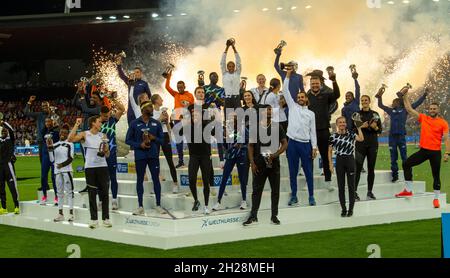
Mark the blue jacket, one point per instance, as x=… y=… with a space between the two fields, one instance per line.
x=40 y=121
x=399 y=115
x=296 y=80
x=352 y=107
x=134 y=138
x=140 y=87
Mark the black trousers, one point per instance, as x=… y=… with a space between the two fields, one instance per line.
x=97 y=180
x=363 y=151
x=345 y=166
x=418 y=158
x=167 y=150
x=205 y=164
x=259 y=180
x=323 y=135
x=7 y=175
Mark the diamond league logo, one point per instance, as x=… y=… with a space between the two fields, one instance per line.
x=211 y=222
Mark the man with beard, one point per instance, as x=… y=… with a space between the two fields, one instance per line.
x=433 y=129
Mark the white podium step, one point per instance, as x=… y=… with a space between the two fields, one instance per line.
x=162 y=231
x=181 y=202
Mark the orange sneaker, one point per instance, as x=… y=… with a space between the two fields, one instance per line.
x=404 y=193
x=436 y=203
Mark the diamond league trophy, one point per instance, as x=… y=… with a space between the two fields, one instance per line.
x=404 y=90
x=280 y=46
x=168 y=70
x=102 y=148
x=353 y=71
x=356 y=117
x=201 y=77
x=330 y=70
x=49 y=141
x=381 y=91
x=231 y=41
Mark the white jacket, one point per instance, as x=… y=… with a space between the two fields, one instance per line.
x=231 y=82
x=302 y=121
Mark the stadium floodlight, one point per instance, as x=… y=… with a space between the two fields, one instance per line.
x=293 y=7
x=236 y=11
x=155 y=15
x=308 y=7
x=113 y=17
x=126 y=16
x=265 y=9
x=391 y=2
x=183 y=14
x=279 y=8
x=99 y=18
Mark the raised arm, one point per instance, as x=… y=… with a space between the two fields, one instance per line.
x=73 y=136
x=122 y=74
x=408 y=106
x=238 y=61
x=168 y=88
x=336 y=91
x=384 y=107
x=223 y=62
x=27 y=111
x=418 y=102
x=357 y=91
x=287 y=95
x=277 y=66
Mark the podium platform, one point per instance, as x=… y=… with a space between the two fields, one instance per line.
x=180 y=227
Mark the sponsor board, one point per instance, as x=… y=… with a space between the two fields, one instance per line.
x=126 y=168
x=446 y=235
x=140 y=221
x=221 y=221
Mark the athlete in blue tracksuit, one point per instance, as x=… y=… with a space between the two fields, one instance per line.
x=397 y=131
x=296 y=84
x=235 y=154
x=46 y=165
x=351 y=104
x=136 y=87
x=146 y=154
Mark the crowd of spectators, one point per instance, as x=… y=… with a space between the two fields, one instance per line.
x=25 y=127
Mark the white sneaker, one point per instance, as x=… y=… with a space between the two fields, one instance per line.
x=107 y=223
x=206 y=210
x=59 y=218
x=160 y=210
x=217 y=206
x=329 y=186
x=175 y=188
x=139 y=211
x=115 y=204
x=243 y=205
x=93 y=224
x=71 y=218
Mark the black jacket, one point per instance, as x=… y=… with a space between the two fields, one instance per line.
x=7 y=146
x=370 y=135
x=320 y=104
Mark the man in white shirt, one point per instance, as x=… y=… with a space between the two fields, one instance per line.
x=231 y=78
x=302 y=140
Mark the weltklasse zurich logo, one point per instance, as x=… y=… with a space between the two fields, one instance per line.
x=221 y=221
